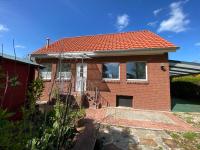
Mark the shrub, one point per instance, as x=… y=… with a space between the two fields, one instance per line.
x=54 y=129
x=187 y=87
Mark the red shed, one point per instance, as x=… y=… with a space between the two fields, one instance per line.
x=15 y=76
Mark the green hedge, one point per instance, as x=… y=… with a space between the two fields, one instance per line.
x=187 y=87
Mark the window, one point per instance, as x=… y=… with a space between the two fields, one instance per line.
x=81 y=70
x=136 y=70
x=46 y=72
x=64 y=72
x=124 y=101
x=110 y=71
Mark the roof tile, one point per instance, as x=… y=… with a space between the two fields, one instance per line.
x=105 y=42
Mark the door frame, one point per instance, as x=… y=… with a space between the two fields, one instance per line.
x=78 y=79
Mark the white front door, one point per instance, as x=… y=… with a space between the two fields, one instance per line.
x=81 y=76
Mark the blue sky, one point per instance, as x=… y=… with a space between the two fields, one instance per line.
x=30 y=22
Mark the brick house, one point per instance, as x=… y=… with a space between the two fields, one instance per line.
x=128 y=69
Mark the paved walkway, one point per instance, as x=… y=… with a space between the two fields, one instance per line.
x=128 y=117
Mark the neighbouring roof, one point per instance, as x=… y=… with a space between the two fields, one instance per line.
x=27 y=61
x=105 y=42
x=180 y=68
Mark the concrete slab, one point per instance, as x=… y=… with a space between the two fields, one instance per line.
x=130 y=114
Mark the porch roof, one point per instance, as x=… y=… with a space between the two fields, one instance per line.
x=182 y=68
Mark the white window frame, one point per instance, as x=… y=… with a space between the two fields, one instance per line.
x=58 y=73
x=45 y=74
x=146 y=70
x=108 y=79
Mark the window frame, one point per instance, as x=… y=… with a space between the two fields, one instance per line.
x=110 y=79
x=46 y=71
x=146 y=72
x=58 y=72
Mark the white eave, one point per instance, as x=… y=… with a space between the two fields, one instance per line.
x=100 y=53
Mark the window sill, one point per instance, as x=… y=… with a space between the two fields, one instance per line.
x=57 y=80
x=111 y=80
x=46 y=80
x=137 y=82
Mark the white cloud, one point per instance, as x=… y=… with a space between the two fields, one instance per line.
x=152 y=24
x=178 y=20
x=157 y=11
x=197 y=44
x=3 y=28
x=20 y=46
x=122 y=22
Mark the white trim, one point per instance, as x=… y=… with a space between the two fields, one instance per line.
x=100 y=53
x=83 y=80
x=138 y=80
x=111 y=79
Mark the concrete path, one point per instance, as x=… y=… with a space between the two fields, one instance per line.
x=127 y=117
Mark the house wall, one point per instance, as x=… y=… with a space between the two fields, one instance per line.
x=153 y=94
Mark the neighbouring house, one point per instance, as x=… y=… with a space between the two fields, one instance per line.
x=129 y=69
x=15 y=77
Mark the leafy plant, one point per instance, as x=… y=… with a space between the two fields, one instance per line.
x=190 y=135
x=53 y=129
x=4 y=114
x=14 y=81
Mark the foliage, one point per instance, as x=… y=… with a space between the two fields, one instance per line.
x=14 y=81
x=52 y=129
x=190 y=135
x=58 y=133
x=187 y=87
x=195 y=79
x=4 y=114
x=186 y=140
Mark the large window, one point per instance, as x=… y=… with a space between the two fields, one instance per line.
x=46 y=71
x=110 y=70
x=63 y=71
x=136 y=70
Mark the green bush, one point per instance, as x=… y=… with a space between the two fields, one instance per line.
x=54 y=129
x=187 y=87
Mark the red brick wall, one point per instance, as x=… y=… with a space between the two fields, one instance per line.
x=151 y=94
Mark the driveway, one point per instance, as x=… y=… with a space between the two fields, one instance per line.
x=127 y=117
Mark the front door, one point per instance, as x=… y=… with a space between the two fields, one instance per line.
x=81 y=76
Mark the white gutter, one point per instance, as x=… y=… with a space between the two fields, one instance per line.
x=100 y=53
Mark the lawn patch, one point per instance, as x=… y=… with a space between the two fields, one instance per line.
x=186 y=140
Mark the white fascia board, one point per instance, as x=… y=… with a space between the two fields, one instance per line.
x=146 y=51
x=133 y=52
x=71 y=55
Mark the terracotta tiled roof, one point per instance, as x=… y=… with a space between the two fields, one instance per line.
x=106 y=42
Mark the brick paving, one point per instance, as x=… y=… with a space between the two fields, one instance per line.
x=101 y=116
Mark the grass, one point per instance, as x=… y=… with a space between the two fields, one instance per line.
x=190 y=135
x=189 y=117
x=186 y=140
